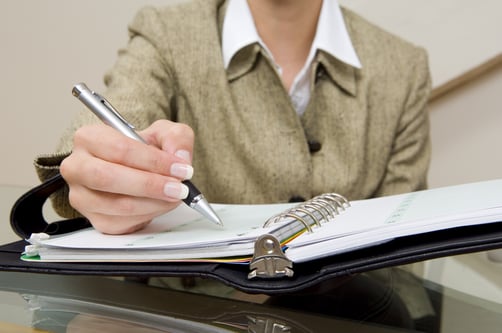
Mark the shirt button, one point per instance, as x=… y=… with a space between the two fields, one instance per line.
x=314 y=146
x=296 y=198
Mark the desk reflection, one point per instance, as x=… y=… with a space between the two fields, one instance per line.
x=98 y=304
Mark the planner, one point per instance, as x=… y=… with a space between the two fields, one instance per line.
x=288 y=246
x=185 y=235
x=325 y=225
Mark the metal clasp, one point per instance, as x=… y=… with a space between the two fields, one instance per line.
x=268 y=260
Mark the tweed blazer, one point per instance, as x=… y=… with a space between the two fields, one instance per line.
x=365 y=132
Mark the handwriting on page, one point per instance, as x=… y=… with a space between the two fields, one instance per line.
x=401 y=210
x=436 y=203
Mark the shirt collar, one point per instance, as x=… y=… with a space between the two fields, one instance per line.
x=331 y=36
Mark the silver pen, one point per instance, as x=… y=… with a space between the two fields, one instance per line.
x=110 y=116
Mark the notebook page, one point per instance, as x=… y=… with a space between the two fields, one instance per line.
x=374 y=221
x=181 y=228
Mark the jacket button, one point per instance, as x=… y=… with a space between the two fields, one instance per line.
x=319 y=73
x=314 y=146
x=296 y=198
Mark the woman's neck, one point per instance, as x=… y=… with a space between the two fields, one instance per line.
x=288 y=29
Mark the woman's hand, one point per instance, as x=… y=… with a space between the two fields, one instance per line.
x=120 y=184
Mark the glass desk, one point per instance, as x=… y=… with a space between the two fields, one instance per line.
x=57 y=303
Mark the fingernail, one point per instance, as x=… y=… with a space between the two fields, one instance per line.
x=182 y=171
x=176 y=190
x=184 y=154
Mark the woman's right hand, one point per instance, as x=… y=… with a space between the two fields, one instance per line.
x=120 y=184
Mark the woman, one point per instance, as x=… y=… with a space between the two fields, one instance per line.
x=260 y=101
x=287 y=99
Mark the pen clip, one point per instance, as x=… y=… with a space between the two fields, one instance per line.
x=110 y=107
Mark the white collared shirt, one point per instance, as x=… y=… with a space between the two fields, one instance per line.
x=331 y=36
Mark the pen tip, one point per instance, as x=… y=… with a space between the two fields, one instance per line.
x=203 y=207
x=213 y=217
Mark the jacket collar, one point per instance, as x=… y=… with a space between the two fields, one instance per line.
x=241 y=43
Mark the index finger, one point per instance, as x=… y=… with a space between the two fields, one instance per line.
x=107 y=144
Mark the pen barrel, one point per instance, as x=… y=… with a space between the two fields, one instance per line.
x=104 y=111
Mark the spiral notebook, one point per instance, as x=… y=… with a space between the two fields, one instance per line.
x=324 y=226
x=184 y=235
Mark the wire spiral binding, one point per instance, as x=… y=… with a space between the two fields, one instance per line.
x=315 y=211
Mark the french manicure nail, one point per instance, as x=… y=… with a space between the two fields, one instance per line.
x=176 y=190
x=182 y=171
x=184 y=154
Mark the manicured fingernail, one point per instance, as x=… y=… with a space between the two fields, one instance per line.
x=184 y=154
x=176 y=190
x=182 y=171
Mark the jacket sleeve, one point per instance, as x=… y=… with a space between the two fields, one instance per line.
x=410 y=157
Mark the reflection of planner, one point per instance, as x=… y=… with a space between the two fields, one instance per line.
x=92 y=304
x=322 y=227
